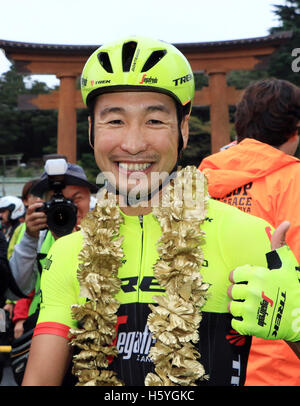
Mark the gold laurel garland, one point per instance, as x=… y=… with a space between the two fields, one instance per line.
x=174 y=321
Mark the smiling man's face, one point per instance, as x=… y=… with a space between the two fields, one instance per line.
x=136 y=138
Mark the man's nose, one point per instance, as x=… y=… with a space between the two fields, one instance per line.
x=134 y=140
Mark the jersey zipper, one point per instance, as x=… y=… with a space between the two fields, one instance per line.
x=142 y=253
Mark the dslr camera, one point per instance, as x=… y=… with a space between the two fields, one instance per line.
x=61 y=212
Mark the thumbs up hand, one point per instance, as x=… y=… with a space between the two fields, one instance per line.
x=278 y=237
x=266 y=301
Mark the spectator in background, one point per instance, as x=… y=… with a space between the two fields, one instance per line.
x=12 y=212
x=77 y=189
x=27 y=198
x=261 y=176
x=20 y=311
x=3 y=268
x=30 y=253
x=36 y=227
x=13 y=225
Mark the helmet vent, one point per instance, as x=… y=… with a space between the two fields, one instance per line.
x=127 y=55
x=104 y=60
x=153 y=59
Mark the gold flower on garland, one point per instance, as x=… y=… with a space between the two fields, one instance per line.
x=175 y=319
x=100 y=259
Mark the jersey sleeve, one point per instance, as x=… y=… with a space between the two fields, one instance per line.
x=245 y=239
x=60 y=287
x=234 y=238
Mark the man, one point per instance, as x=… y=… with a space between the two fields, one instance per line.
x=12 y=215
x=17 y=310
x=27 y=198
x=34 y=242
x=261 y=176
x=144 y=243
x=78 y=190
x=12 y=212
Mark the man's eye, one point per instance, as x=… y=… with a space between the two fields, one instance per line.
x=115 y=122
x=154 y=121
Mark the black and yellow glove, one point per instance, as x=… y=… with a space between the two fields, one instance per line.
x=266 y=302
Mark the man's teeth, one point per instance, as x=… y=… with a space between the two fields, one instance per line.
x=134 y=167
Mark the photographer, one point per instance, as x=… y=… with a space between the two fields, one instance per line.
x=67 y=195
x=39 y=236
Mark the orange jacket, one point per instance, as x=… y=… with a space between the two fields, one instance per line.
x=263 y=181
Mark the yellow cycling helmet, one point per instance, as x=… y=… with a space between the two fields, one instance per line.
x=139 y=63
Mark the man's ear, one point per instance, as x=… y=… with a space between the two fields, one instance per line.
x=90 y=132
x=185 y=130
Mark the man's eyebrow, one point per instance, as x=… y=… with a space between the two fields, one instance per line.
x=148 y=109
x=108 y=110
x=77 y=193
x=158 y=107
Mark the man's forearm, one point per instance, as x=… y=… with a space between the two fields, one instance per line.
x=22 y=263
x=48 y=361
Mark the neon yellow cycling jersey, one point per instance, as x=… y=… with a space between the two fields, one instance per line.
x=233 y=238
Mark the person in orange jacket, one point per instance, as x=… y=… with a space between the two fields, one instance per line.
x=260 y=176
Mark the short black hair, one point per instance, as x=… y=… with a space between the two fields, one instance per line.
x=269 y=111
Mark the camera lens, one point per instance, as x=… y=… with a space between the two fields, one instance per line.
x=61 y=219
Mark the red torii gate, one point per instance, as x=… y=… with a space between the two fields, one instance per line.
x=215 y=59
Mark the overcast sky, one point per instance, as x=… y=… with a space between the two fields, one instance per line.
x=94 y=22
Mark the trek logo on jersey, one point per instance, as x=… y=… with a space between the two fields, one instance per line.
x=147 y=284
x=137 y=343
x=145 y=80
x=279 y=314
x=263 y=309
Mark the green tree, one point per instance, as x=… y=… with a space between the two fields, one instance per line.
x=201 y=80
x=240 y=79
x=11 y=85
x=281 y=62
x=23 y=131
x=199 y=145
